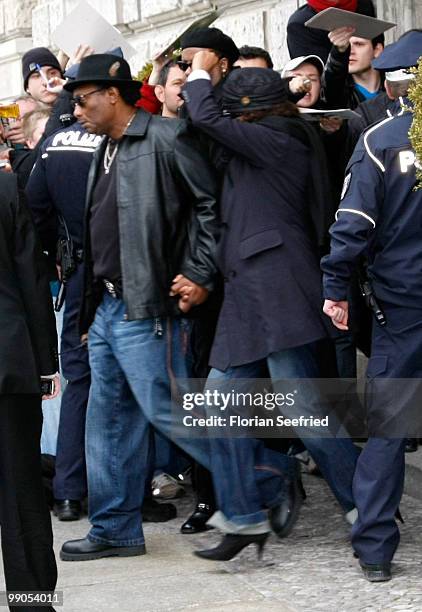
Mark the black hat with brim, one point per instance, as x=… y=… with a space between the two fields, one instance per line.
x=252 y=89
x=104 y=69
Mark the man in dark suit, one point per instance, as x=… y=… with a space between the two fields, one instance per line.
x=28 y=355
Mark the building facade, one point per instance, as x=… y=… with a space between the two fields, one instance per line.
x=150 y=24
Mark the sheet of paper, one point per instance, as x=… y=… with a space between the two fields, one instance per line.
x=85 y=25
x=315 y=114
x=174 y=43
x=366 y=27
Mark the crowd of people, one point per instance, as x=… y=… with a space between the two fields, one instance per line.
x=191 y=227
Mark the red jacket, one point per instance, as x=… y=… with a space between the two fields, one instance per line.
x=148 y=100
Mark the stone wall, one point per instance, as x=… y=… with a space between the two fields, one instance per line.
x=150 y=24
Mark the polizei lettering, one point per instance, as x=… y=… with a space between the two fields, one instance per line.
x=76 y=139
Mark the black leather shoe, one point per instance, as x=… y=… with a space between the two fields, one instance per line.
x=231 y=545
x=197 y=522
x=85 y=550
x=376 y=573
x=67 y=509
x=153 y=512
x=284 y=516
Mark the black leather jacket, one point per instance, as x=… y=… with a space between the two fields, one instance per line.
x=166 y=199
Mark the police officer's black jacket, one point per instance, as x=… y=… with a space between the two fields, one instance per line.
x=57 y=185
x=166 y=200
x=28 y=341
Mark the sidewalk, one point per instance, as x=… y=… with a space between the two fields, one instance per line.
x=312 y=570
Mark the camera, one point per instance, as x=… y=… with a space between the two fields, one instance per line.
x=47 y=387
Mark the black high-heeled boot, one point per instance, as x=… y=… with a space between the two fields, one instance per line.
x=231 y=545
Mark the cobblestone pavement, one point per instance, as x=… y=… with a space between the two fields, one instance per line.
x=311 y=571
x=314 y=569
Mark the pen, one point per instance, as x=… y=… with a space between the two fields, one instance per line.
x=44 y=78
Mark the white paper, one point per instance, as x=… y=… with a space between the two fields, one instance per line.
x=84 y=25
x=333 y=18
x=315 y=114
x=174 y=43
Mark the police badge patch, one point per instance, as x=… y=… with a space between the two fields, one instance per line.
x=346 y=185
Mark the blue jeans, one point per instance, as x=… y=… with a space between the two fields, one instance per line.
x=133 y=371
x=336 y=457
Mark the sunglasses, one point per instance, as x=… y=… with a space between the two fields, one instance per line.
x=184 y=65
x=81 y=100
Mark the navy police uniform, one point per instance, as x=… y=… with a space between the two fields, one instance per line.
x=380 y=216
x=57 y=186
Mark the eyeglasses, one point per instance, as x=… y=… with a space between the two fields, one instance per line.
x=81 y=100
x=184 y=65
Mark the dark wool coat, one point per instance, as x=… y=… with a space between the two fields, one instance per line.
x=272 y=290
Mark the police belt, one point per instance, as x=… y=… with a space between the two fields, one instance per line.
x=114 y=288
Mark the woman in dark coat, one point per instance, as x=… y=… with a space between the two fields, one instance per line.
x=28 y=353
x=271 y=312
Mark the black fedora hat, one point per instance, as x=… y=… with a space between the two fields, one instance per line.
x=104 y=69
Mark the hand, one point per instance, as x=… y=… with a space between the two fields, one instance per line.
x=81 y=52
x=205 y=60
x=340 y=38
x=331 y=124
x=190 y=293
x=63 y=59
x=55 y=84
x=14 y=133
x=56 y=386
x=84 y=339
x=2 y=134
x=338 y=313
x=300 y=84
x=157 y=64
x=6 y=167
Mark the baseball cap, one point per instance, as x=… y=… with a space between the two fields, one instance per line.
x=302 y=59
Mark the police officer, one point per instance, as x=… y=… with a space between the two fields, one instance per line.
x=380 y=215
x=56 y=192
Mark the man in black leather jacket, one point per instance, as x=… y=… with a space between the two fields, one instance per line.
x=150 y=239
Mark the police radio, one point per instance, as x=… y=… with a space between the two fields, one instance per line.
x=371 y=300
x=65 y=258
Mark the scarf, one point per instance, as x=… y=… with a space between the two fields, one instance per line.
x=321 y=5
